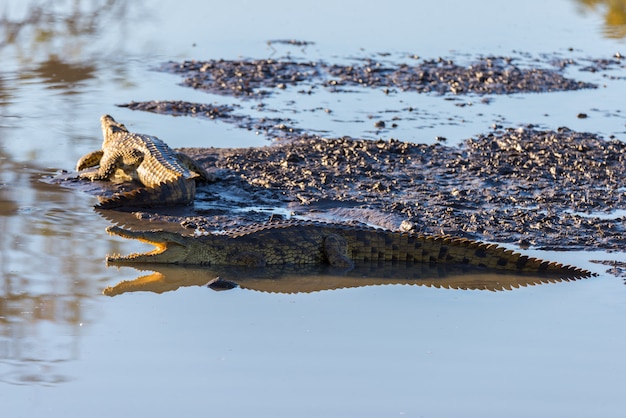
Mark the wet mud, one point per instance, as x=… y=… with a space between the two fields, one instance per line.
x=260 y=78
x=617 y=268
x=533 y=188
x=269 y=127
x=485 y=75
x=546 y=189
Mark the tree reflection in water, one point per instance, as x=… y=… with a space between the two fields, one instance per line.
x=614 y=15
x=48 y=27
x=40 y=314
x=47 y=281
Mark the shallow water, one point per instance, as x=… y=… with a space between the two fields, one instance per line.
x=68 y=350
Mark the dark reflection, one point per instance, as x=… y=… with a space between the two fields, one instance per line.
x=8 y=206
x=614 y=15
x=37 y=332
x=49 y=267
x=49 y=271
x=62 y=44
x=45 y=293
x=5 y=95
x=299 y=279
x=46 y=22
x=60 y=75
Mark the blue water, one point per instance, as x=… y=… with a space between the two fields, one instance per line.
x=67 y=350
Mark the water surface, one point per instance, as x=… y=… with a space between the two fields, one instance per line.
x=68 y=350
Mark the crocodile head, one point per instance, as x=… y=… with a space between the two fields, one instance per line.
x=170 y=248
x=110 y=131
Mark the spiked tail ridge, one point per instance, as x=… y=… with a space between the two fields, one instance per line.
x=492 y=256
x=526 y=264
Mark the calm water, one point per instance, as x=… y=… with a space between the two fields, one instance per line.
x=380 y=351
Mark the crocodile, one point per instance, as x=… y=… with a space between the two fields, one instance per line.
x=168 y=178
x=296 y=242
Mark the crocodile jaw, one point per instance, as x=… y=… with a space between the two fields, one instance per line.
x=165 y=251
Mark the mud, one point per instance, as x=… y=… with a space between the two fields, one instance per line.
x=491 y=75
x=269 y=127
x=248 y=78
x=532 y=188
x=618 y=268
x=547 y=189
x=259 y=78
x=486 y=75
x=181 y=108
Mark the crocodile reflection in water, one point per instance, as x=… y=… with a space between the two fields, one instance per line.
x=305 y=279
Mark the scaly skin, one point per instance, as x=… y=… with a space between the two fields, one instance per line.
x=168 y=177
x=340 y=245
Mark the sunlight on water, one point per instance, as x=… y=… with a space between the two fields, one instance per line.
x=545 y=350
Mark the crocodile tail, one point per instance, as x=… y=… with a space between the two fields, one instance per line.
x=496 y=257
x=174 y=193
x=531 y=264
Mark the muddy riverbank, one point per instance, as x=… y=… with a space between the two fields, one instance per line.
x=529 y=187
x=546 y=189
x=542 y=188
